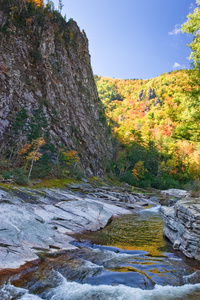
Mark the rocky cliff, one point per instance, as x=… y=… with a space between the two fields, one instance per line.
x=182 y=226
x=44 y=61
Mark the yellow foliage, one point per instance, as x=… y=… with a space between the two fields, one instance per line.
x=38 y=3
x=194 y=166
x=169 y=167
x=13 y=8
x=139 y=170
x=170 y=164
x=70 y=157
x=25 y=149
x=35 y=146
x=34 y=155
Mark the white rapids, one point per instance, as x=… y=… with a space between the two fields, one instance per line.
x=76 y=291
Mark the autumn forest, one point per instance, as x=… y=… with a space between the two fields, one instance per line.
x=157 y=124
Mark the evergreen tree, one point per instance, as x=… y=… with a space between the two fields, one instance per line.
x=38 y=124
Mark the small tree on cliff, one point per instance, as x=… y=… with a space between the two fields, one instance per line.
x=32 y=152
x=66 y=162
x=17 y=133
x=38 y=124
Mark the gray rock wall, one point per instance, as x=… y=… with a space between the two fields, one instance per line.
x=182 y=226
x=41 y=64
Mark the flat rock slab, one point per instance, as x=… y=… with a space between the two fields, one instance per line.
x=182 y=226
x=177 y=193
x=34 y=221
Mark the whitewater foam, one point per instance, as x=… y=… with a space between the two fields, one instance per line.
x=154 y=208
x=8 y=291
x=77 y=291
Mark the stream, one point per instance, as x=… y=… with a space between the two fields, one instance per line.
x=129 y=259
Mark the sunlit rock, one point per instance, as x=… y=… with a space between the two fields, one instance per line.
x=182 y=226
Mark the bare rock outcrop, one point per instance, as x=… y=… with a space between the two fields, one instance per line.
x=151 y=94
x=182 y=226
x=45 y=61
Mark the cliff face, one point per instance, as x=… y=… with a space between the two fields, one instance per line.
x=47 y=63
x=182 y=226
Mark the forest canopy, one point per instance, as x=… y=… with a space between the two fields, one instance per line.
x=157 y=124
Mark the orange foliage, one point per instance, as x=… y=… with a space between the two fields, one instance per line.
x=34 y=147
x=176 y=91
x=38 y=3
x=70 y=157
x=28 y=22
x=139 y=170
x=24 y=149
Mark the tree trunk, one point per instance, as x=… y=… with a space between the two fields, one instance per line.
x=31 y=168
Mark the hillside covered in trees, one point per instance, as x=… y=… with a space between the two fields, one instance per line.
x=156 y=122
x=157 y=125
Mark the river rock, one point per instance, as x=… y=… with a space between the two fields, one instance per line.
x=182 y=226
x=34 y=221
x=177 y=193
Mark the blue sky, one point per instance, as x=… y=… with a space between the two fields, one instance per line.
x=133 y=39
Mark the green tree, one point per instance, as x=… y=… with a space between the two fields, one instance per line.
x=18 y=133
x=20 y=123
x=66 y=162
x=60 y=5
x=38 y=124
x=192 y=26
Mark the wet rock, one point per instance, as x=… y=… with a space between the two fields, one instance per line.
x=182 y=226
x=30 y=227
x=176 y=244
x=42 y=220
x=192 y=278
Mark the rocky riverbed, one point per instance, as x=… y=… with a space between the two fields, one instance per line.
x=38 y=221
x=128 y=259
x=35 y=221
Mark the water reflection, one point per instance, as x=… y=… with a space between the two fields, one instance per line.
x=143 y=231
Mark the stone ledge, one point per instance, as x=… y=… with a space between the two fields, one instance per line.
x=182 y=226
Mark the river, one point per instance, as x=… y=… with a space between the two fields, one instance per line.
x=129 y=259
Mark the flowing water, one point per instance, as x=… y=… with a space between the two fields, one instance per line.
x=129 y=259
